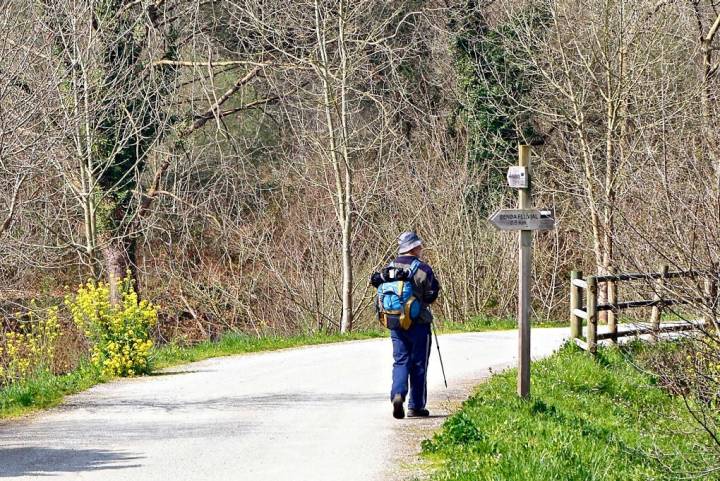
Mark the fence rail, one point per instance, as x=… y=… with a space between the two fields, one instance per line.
x=584 y=304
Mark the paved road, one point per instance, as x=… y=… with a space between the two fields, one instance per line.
x=317 y=413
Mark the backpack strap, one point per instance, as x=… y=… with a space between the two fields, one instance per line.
x=414 y=268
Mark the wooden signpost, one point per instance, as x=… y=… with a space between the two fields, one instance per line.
x=524 y=219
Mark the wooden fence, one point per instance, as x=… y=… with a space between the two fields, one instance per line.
x=584 y=304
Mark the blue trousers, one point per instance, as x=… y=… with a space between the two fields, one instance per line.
x=411 y=351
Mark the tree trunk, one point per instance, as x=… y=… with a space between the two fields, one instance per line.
x=118 y=248
x=707 y=101
x=118 y=259
x=338 y=152
x=347 y=307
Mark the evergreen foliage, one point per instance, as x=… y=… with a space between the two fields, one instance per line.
x=131 y=116
x=493 y=82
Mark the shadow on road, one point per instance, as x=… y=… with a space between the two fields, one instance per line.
x=176 y=373
x=265 y=401
x=432 y=416
x=41 y=462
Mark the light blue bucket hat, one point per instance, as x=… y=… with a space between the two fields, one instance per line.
x=408 y=241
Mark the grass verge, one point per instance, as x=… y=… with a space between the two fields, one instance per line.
x=587 y=419
x=485 y=323
x=45 y=390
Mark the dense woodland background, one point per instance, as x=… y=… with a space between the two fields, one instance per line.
x=252 y=161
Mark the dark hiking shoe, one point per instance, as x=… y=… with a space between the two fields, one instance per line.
x=398 y=409
x=418 y=413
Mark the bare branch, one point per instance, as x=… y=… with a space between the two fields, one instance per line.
x=13 y=205
x=212 y=112
x=209 y=64
x=713 y=30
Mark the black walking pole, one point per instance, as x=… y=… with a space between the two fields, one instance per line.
x=437 y=344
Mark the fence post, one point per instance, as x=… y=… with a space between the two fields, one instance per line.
x=592 y=314
x=659 y=287
x=711 y=297
x=575 y=303
x=612 y=300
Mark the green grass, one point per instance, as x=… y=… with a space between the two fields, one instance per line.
x=587 y=420
x=485 y=323
x=45 y=390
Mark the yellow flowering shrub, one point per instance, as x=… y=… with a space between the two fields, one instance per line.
x=31 y=348
x=119 y=335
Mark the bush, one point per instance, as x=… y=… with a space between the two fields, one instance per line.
x=30 y=349
x=119 y=335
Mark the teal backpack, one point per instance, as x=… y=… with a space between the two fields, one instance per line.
x=397 y=305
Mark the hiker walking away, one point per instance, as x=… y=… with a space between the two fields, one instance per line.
x=406 y=288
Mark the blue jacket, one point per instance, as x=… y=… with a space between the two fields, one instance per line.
x=426 y=287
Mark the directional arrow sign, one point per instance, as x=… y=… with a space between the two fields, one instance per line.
x=523 y=219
